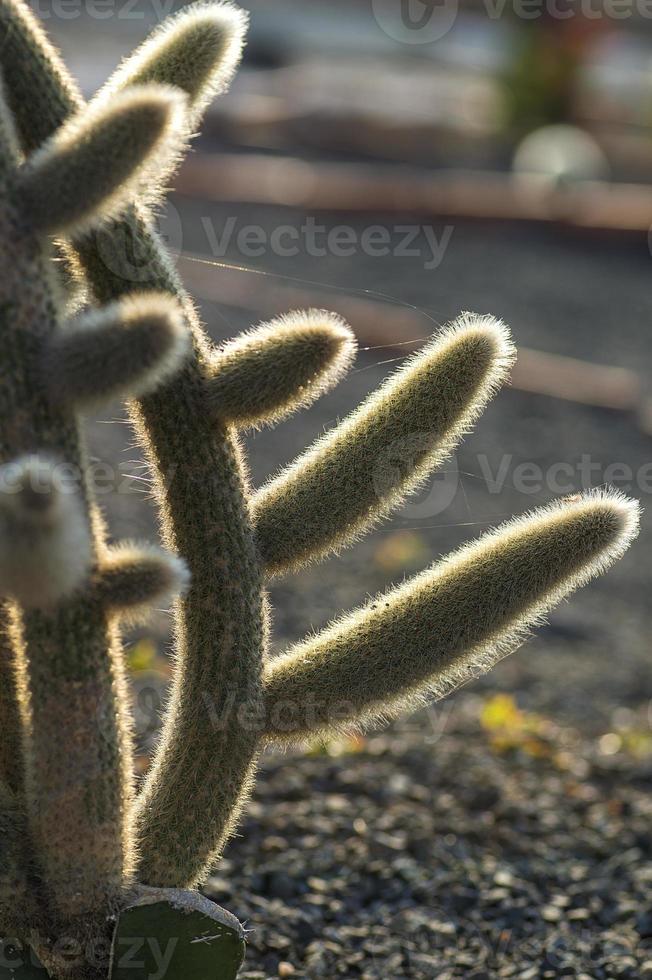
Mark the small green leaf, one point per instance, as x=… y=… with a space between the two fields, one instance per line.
x=176 y=935
x=19 y=962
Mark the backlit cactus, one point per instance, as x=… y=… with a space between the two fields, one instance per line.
x=69 y=781
x=79 y=845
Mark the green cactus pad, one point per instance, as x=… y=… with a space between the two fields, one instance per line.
x=19 y=962
x=176 y=935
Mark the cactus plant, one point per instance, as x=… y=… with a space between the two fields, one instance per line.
x=81 y=851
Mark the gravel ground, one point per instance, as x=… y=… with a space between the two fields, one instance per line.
x=421 y=855
x=506 y=832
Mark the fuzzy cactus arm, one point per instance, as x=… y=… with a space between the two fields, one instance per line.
x=362 y=469
x=125 y=348
x=453 y=621
x=197 y=50
x=267 y=373
x=221 y=631
x=109 y=151
x=132 y=579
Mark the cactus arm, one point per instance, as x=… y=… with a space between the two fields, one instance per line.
x=197 y=50
x=125 y=348
x=221 y=638
x=266 y=374
x=132 y=579
x=110 y=152
x=78 y=780
x=365 y=467
x=454 y=620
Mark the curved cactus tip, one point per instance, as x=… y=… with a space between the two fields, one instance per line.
x=45 y=544
x=198 y=50
x=610 y=516
x=452 y=622
x=134 y=578
x=417 y=416
x=328 y=331
x=485 y=340
x=106 y=154
x=329 y=343
x=127 y=349
x=267 y=373
x=161 y=341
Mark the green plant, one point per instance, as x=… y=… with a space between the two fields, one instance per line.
x=80 y=848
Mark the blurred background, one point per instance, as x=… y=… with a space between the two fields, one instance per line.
x=400 y=161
